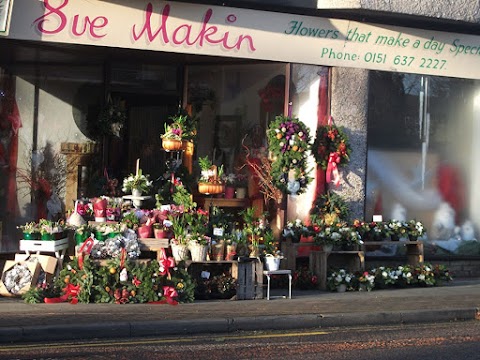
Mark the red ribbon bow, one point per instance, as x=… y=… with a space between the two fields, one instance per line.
x=166 y=263
x=70 y=293
x=332 y=168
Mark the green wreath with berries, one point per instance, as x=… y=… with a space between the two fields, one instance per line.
x=288 y=145
x=331 y=139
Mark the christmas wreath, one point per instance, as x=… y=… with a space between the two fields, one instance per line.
x=110 y=120
x=331 y=148
x=288 y=144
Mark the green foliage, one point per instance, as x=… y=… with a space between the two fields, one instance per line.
x=36 y=294
x=288 y=144
x=329 y=208
x=331 y=139
x=205 y=163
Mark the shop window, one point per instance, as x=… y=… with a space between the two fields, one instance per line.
x=234 y=105
x=421 y=157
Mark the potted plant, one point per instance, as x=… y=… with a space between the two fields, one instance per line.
x=210 y=181
x=30 y=231
x=414 y=229
x=82 y=233
x=340 y=281
x=46 y=229
x=273 y=255
x=241 y=185
x=137 y=184
x=229 y=180
x=161 y=230
x=179 y=241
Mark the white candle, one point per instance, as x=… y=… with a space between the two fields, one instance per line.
x=138 y=166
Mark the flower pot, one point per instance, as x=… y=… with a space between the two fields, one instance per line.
x=31 y=236
x=47 y=236
x=198 y=252
x=272 y=263
x=172 y=144
x=210 y=188
x=161 y=234
x=241 y=193
x=179 y=252
x=229 y=192
x=99 y=236
x=341 y=288
x=80 y=238
x=113 y=234
x=327 y=247
x=242 y=249
x=254 y=251
x=394 y=237
x=59 y=235
x=231 y=251
x=218 y=250
x=412 y=237
x=137 y=192
x=144 y=231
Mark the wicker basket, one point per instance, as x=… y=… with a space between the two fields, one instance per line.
x=172 y=144
x=210 y=188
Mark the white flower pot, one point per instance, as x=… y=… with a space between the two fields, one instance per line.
x=241 y=193
x=272 y=263
x=342 y=288
x=179 y=252
x=136 y=192
x=198 y=251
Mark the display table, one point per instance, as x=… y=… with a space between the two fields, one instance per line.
x=414 y=249
x=269 y=273
x=353 y=261
x=58 y=247
x=206 y=202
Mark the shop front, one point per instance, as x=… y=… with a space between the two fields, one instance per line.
x=408 y=99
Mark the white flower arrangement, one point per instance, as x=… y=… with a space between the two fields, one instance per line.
x=138 y=181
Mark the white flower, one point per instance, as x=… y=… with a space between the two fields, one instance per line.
x=300 y=133
x=284 y=129
x=421 y=277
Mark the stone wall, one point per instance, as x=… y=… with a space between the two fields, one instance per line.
x=459 y=10
x=349 y=106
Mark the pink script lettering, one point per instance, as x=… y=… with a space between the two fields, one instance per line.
x=184 y=34
x=78 y=27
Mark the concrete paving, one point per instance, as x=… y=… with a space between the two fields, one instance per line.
x=456 y=301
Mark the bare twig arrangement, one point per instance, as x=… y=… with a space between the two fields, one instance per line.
x=263 y=172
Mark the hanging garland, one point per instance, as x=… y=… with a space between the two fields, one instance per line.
x=331 y=149
x=288 y=144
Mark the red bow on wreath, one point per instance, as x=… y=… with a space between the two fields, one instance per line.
x=166 y=263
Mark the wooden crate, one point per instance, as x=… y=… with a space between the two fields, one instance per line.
x=249 y=275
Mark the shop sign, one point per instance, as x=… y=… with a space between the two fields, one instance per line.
x=5 y=13
x=242 y=33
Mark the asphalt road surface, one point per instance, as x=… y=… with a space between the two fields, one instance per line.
x=452 y=341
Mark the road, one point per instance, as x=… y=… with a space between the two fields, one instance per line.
x=459 y=340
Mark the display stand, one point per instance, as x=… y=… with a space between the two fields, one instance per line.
x=58 y=247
